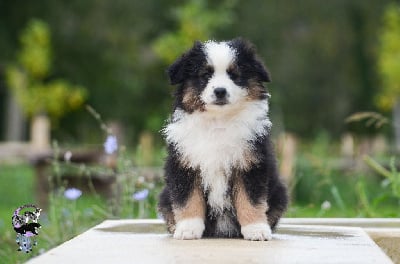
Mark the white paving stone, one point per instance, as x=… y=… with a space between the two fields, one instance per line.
x=144 y=241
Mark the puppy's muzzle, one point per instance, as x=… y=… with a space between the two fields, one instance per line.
x=221 y=96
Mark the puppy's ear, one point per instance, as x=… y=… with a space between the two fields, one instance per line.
x=175 y=71
x=247 y=54
x=179 y=70
x=261 y=71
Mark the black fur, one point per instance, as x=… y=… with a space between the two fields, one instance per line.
x=188 y=65
x=31 y=227
x=179 y=180
x=251 y=65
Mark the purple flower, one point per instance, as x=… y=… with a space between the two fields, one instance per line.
x=141 y=195
x=111 y=144
x=72 y=193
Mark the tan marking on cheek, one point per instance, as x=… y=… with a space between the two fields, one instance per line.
x=191 y=100
x=246 y=212
x=256 y=91
x=194 y=208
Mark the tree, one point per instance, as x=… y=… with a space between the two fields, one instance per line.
x=196 y=21
x=28 y=77
x=389 y=66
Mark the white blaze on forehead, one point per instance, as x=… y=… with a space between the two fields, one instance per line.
x=219 y=54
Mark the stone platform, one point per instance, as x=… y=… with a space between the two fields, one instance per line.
x=296 y=241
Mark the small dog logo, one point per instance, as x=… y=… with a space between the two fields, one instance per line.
x=27 y=227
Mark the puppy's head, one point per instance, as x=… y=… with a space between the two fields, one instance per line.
x=218 y=75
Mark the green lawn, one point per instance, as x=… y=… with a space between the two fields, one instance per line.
x=16 y=188
x=64 y=218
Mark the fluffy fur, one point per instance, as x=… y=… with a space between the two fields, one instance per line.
x=221 y=176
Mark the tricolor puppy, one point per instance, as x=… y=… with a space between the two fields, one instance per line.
x=221 y=175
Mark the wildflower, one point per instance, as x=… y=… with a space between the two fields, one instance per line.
x=326 y=205
x=141 y=195
x=72 y=193
x=111 y=144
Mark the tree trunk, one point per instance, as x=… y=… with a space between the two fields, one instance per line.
x=15 y=121
x=40 y=133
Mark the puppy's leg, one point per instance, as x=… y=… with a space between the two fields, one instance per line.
x=251 y=217
x=185 y=197
x=190 y=217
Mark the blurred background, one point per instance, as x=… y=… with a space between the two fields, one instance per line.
x=76 y=74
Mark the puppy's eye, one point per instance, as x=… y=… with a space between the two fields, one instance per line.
x=232 y=74
x=207 y=73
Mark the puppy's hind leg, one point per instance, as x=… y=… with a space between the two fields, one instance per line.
x=278 y=201
x=165 y=208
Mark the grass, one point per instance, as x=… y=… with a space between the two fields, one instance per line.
x=16 y=188
x=322 y=176
x=65 y=218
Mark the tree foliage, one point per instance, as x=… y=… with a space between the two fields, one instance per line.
x=389 y=58
x=27 y=78
x=196 y=21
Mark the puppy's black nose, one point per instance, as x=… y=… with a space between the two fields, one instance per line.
x=220 y=92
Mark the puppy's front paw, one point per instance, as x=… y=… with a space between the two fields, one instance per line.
x=191 y=228
x=258 y=231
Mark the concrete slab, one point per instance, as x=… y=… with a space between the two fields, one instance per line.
x=385 y=232
x=365 y=223
x=145 y=241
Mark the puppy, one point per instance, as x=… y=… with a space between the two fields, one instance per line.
x=221 y=175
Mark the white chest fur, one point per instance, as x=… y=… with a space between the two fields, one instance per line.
x=216 y=141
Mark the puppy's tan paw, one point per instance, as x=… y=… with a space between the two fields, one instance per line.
x=258 y=231
x=191 y=228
